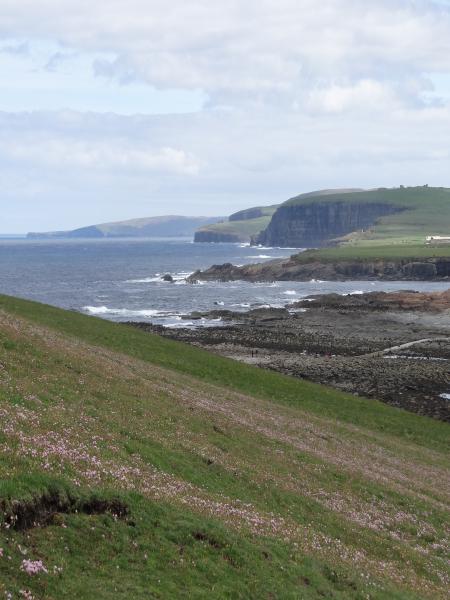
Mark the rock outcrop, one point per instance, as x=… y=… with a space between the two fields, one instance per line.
x=316 y=224
x=294 y=269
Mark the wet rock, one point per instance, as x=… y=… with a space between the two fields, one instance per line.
x=328 y=344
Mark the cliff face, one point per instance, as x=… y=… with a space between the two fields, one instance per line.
x=314 y=225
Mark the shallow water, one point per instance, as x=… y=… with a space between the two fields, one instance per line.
x=121 y=279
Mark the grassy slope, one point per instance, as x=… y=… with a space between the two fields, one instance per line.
x=240 y=483
x=374 y=252
x=245 y=228
x=116 y=228
x=428 y=214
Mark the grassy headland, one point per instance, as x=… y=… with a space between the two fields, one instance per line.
x=133 y=466
x=240 y=227
x=426 y=212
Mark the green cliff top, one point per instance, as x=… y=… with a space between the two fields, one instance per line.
x=374 y=252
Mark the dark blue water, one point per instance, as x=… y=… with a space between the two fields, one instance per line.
x=121 y=279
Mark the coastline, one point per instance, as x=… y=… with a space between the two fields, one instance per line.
x=339 y=341
x=390 y=263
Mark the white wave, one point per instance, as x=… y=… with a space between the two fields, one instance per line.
x=317 y=281
x=181 y=274
x=158 y=278
x=356 y=293
x=145 y=280
x=124 y=312
x=445 y=396
x=260 y=256
x=290 y=293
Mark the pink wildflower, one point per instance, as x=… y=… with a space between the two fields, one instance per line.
x=33 y=567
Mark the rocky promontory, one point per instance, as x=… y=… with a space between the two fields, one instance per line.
x=307 y=266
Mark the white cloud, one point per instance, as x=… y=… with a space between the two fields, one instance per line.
x=214 y=162
x=113 y=156
x=317 y=94
x=233 y=50
x=364 y=95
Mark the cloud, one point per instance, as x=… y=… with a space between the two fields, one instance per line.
x=366 y=95
x=71 y=154
x=20 y=49
x=270 y=51
x=301 y=95
x=56 y=60
x=216 y=161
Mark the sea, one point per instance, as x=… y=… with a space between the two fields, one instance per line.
x=121 y=279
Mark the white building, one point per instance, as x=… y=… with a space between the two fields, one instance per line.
x=437 y=239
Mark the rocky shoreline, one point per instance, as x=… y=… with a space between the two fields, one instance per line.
x=341 y=341
x=299 y=268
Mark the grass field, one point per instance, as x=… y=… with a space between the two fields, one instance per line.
x=137 y=467
x=375 y=252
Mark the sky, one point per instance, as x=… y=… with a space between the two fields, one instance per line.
x=112 y=110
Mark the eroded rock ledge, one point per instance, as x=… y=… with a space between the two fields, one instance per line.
x=298 y=269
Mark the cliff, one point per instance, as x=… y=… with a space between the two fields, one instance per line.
x=321 y=218
x=314 y=225
x=207 y=235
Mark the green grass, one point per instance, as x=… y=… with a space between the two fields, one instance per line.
x=374 y=252
x=169 y=553
x=94 y=412
x=243 y=230
x=231 y=374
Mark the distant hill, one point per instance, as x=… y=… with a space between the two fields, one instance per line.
x=397 y=215
x=242 y=226
x=166 y=226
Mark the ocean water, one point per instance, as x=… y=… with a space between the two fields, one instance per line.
x=121 y=279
